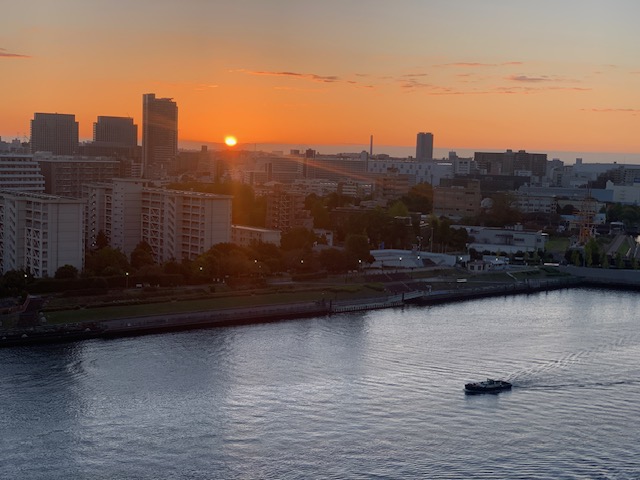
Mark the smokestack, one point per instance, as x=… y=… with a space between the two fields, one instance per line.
x=371 y=146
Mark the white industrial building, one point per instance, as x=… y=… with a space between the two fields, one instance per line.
x=506 y=240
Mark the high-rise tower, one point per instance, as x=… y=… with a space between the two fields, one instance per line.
x=119 y=131
x=159 y=135
x=54 y=132
x=424 y=146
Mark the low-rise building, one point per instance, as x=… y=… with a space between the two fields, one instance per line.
x=505 y=240
x=461 y=199
x=245 y=235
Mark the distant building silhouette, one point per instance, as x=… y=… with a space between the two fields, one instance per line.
x=119 y=131
x=458 y=200
x=424 y=146
x=54 y=132
x=64 y=175
x=159 y=136
x=519 y=163
x=285 y=210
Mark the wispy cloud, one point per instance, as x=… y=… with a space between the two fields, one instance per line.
x=5 y=54
x=478 y=64
x=528 y=79
x=303 y=76
x=633 y=111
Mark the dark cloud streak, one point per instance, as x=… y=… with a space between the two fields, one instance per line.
x=5 y=54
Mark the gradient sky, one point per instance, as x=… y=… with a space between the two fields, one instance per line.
x=537 y=75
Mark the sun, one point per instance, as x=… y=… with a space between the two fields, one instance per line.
x=230 y=141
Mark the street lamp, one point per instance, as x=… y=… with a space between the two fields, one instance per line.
x=126 y=276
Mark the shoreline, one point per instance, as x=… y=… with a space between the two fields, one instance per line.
x=235 y=316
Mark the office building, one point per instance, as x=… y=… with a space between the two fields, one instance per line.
x=159 y=136
x=40 y=233
x=459 y=200
x=20 y=173
x=64 y=175
x=424 y=147
x=518 y=163
x=120 y=131
x=54 y=132
x=285 y=209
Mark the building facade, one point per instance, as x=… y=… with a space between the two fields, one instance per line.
x=64 y=175
x=176 y=224
x=506 y=240
x=159 y=136
x=54 y=132
x=461 y=199
x=285 y=210
x=424 y=146
x=40 y=233
x=245 y=235
x=519 y=163
x=21 y=173
x=119 y=131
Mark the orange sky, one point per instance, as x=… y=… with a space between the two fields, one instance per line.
x=492 y=74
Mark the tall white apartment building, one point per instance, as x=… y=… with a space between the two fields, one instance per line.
x=176 y=224
x=21 y=173
x=40 y=233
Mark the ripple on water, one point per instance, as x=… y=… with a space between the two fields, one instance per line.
x=372 y=395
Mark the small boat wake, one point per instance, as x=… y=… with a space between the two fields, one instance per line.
x=533 y=385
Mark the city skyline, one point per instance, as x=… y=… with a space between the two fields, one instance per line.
x=541 y=77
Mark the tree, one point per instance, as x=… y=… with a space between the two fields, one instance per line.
x=142 y=255
x=419 y=198
x=101 y=240
x=107 y=261
x=297 y=238
x=591 y=252
x=357 y=250
x=65 y=272
x=398 y=209
x=333 y=260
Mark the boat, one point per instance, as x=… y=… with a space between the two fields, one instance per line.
x=488 y=386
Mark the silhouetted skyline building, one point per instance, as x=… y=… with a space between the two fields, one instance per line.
x=511 y=163
x=159 y=136
x=54 y=132
x=120 y=131
x=424 y=146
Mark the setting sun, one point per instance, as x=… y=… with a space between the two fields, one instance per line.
x=230 y=141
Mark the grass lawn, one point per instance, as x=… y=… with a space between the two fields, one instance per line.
x=98 y=313
x=557 y=245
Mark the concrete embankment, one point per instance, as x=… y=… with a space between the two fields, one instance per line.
x=142 y=325
x=604 y=277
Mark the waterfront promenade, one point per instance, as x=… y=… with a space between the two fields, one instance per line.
x=400 y=290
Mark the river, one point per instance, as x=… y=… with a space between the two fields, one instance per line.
x=365 y=395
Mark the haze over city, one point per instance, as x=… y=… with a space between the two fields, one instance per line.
x=541 y=76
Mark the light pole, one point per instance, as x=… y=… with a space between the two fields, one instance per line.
x=126 y=276
x=400 y=262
